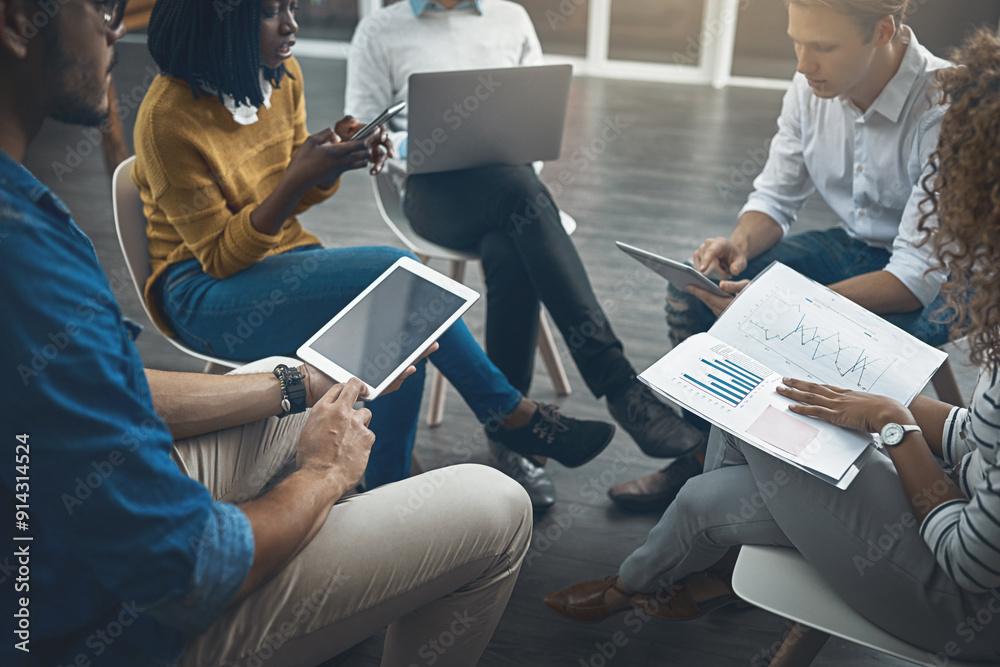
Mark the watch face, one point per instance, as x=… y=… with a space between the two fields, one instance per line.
x=892 y=434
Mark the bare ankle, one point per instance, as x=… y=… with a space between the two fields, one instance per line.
x=521 y=415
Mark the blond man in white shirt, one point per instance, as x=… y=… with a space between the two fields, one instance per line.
x=857 y=125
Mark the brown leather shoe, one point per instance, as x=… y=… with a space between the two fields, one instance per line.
x=585 y=601
x=680 y=604
x=656 y=490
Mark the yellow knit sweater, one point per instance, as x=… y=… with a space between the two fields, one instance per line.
x=201 y=175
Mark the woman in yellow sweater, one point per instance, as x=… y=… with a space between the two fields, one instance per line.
x=225 y=164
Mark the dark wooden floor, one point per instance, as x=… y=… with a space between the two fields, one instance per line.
x=678 y=173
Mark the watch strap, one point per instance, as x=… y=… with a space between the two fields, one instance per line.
x=293 y=390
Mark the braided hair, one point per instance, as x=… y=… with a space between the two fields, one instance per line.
x=212 y=44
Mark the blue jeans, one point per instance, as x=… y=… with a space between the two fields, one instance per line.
x=274 y=306
x=827 y=257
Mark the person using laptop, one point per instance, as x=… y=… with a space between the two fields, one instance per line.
x=912 y=547
x=503 y=213
x=224 y=164
x=133 y=549
x=856 y=126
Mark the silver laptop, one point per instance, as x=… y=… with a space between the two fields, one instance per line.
x=474 y=118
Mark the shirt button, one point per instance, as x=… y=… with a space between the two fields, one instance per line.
x=861 y=213
x=860 y=169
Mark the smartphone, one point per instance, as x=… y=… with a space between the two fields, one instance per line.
x=382 y=118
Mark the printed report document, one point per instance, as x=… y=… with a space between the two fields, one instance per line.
x=786 y=325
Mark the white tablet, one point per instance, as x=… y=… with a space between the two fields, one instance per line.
x=381 y=332
x=679 y=274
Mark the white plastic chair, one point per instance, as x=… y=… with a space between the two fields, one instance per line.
x=781 y=581
x=390 y=205
x=130 y=222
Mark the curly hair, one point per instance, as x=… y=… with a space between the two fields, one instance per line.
x=963 y=192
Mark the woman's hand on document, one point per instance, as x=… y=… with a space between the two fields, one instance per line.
x=851 y=409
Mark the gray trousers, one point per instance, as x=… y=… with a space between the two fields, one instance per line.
x=433 y=557
x=865 y=541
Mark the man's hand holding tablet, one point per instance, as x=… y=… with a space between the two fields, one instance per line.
x=317 y=382
x=388 y=327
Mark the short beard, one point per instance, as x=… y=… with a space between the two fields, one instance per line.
x=69 y=105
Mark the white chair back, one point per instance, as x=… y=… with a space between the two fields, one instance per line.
x=130 y=223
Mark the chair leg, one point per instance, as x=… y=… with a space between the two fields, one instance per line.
x=800 y=647
x=457 y=271
x=946 y=386
x=439 y=387
x=550 y=357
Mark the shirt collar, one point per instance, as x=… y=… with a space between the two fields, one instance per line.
x=244 y=114
x=892 y=100
x=16 y=176
x=420 y=6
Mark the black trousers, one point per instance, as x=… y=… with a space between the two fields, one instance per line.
x=507 y=215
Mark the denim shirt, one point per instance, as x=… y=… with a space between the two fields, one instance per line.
x=127 y=556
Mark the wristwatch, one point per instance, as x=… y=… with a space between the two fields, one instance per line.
x=293 y=391
x=892 y=434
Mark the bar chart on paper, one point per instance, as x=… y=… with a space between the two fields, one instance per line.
x=727 y=377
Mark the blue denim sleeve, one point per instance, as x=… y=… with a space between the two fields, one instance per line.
x=102 y=479
x=221 y=566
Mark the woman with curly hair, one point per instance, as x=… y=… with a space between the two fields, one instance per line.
x=912 y=547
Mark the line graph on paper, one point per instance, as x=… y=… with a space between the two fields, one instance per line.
x=819 y=340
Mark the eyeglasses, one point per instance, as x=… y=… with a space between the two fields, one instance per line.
x=114 y=11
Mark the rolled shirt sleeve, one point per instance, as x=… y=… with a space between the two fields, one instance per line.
x=784 y=185
x=912 y=259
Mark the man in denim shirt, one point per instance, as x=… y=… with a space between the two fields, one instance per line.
x=119 y=557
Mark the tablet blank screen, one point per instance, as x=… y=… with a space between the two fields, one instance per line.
x=384 y=328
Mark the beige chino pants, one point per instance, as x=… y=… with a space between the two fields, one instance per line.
x=434 y=558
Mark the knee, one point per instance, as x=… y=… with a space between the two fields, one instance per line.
x=490 y=497
x=391 y=255
x=694 y=501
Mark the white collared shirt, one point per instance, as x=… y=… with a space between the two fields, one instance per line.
x=868 y=166
x=245 y=114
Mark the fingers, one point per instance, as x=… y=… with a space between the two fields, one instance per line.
x=431 y=349
x=366 y=416
x=733 y=287
x=711 y=256
x=717 y=304
x=324 y=136
x=349 y=392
